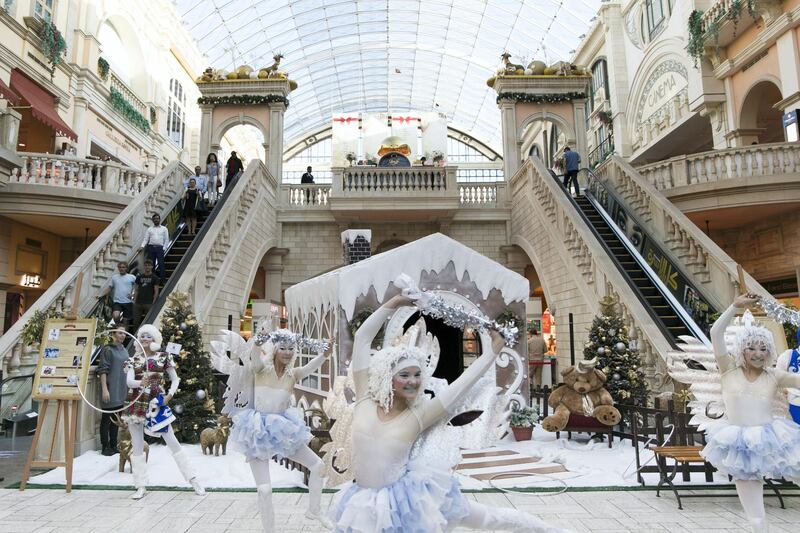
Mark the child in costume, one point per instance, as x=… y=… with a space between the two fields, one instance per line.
x=267 y=425
x=750 y=443
x=392 y=493
x=790 y=361
x=149 y=413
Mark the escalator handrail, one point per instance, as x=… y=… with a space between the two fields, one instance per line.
x=687 y=320
x=168 y=287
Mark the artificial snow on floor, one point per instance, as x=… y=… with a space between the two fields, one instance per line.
x=588 y=463
x=224 y=472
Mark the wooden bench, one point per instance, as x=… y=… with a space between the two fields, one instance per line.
x=691 y=454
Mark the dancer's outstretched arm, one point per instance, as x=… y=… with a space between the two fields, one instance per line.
x=434 y=410
x=174 y=381
x=304 y=371
x=787 y=379
x=724 y=361
x=131 y=380
x=362 y=342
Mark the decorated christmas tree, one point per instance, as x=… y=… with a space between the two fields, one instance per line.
x=193 y=404
x=609 y=342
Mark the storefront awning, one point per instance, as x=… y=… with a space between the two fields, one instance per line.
x=6 y=92
x=43 y=104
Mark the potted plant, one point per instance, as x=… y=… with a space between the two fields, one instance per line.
x=351 y=158
x=523 y=419
x=438 y=158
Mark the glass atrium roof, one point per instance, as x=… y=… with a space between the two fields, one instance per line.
x=388 y=55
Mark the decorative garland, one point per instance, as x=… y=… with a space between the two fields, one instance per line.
x=540 y=98
x=698 y=37
x=604 y=117
x=243 y=99
x=509 y=318
x=33 y=330
x=53 y=44
x=130 y=113
x=103 y=68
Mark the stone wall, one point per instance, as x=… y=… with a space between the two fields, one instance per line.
x=767 y=250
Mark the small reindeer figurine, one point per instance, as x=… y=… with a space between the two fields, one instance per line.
x=211 y=439
x=124 y=445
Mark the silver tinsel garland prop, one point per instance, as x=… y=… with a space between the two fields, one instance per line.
x=457 y=317
x=779 y=312
x=287 y=337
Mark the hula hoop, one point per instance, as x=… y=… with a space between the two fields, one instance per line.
x=627 y=474
x=562 y=490
x=124 y=407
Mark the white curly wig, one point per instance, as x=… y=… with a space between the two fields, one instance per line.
x=749 y=334
x=385 y=363
x=155 y=333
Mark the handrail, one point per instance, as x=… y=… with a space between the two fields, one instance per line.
x=96 y=264
x=686 y=320
x=3 y=388
x=172 y=282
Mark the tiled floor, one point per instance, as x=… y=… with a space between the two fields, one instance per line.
x=91 y=511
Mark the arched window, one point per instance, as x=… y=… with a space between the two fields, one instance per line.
x=473 y=165
x=113 y=51
x=461 y=152
x=176 y=113
x=599 y=80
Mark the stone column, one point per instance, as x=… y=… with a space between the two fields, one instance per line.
x=206 y=123
x=273 y=267
x=79 y=125
x=356 y=245
x=274 y=150
x=581 y=144
x=508 y=120
x=788 y=58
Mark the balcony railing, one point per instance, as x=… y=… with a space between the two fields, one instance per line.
x=479 y=194
x=114 y=82
x=601 y=153
x=385 y=179
x=76 y=173
x=731 y=163
x=306 y=196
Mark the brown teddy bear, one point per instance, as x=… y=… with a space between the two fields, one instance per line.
x=583 y=394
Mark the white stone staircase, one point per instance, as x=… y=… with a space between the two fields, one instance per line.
x=119 y=241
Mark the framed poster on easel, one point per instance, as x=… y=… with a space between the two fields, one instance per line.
x=63 y=366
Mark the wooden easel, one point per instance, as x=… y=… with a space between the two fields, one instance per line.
x=66 y=412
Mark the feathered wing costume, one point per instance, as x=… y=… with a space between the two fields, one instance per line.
x=694 y=364
x=439 y=444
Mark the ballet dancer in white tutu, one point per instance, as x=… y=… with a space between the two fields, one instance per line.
x=750 y=442
x=264 y=423
x=391 y=492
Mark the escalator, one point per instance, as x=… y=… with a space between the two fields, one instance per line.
x=669 y=315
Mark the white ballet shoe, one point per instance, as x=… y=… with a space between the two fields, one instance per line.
x=188 y=473
x=759 y=525
x=319 y=517
x=140 y=493
x=198 y=488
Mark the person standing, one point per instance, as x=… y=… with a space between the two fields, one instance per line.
x=536 y=350
x=201 y=180
x=213 y=182
x=122 y=296
x=146 y=290
x=232 y=168
x=191 y=197
x=154 y=244
x=572 y=163
x=113 y=388
x=308 y=179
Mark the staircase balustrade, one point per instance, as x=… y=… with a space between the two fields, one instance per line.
x=252 y=202
x=717 y=165
x=119 y=241
x=537 y=195
x=479 y=194
x=706 y=263
x=76 y=173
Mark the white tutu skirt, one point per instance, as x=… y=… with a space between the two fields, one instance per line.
x=754 y=452
x=262 y=435
x=423 y=500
